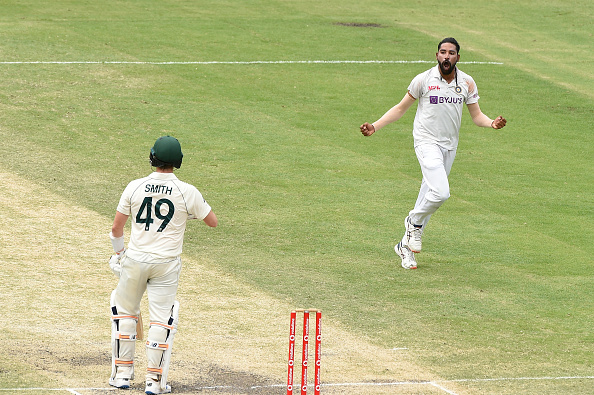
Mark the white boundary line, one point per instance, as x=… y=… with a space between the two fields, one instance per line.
x=248 y=62
x=436 y=384
x=71 y=390
x=442 y=388
x=518 y=379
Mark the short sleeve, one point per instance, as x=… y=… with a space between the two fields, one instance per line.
x=125 y=205
x=473 y=95
x=198 y=208
x=416 y=86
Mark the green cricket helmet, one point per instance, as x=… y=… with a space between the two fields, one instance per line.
x=166 y=152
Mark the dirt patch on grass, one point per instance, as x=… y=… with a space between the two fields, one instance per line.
x=356 y=24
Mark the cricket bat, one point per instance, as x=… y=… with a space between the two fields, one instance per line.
x=139 y=328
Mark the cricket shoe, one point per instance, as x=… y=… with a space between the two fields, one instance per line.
x=120 y=383
x=412 y=236
x=154 y=388
x=408 y=257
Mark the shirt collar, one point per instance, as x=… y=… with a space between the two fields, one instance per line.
x=163 y=176
x=436 y=74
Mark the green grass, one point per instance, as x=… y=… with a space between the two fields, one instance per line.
x=309 y=209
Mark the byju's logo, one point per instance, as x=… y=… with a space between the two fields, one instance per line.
x=451 y=100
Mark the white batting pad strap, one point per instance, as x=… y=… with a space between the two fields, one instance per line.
x=127 y=337
x=117 y=243
x=170 y=327
x=123 y=362
x=157 y=371
x=156 y=345
x=123 y=317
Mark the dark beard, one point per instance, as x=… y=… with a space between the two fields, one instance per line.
x=447 y=72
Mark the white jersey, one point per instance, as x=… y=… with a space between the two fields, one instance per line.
x=159 y=206
x=439 y=112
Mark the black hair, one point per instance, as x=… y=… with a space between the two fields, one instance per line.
x=156 y=162
x=450 y=40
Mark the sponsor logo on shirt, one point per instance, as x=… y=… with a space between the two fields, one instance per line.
x=448 y=100
x=433 y=88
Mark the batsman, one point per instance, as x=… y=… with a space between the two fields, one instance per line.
x=159 y=206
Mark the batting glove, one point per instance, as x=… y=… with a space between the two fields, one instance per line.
x=114 y=263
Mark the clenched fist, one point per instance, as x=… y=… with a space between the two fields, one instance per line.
x=368 y=129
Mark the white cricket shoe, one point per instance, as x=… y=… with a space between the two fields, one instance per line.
x=120 y=383
x=412 y=236
x=408 y=257
x=154 y=388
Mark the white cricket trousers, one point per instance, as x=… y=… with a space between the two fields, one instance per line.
x=160 y=281
x=436 y=163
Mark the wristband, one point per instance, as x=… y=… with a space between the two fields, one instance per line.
x=117 y=243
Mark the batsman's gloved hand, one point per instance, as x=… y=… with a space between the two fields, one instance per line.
x=114 y=263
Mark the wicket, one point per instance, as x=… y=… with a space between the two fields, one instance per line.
x=305 y=350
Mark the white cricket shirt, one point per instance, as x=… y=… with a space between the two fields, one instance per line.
x=159 y=206
x=439 y=112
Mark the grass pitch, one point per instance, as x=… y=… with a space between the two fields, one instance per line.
x=309 y=209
